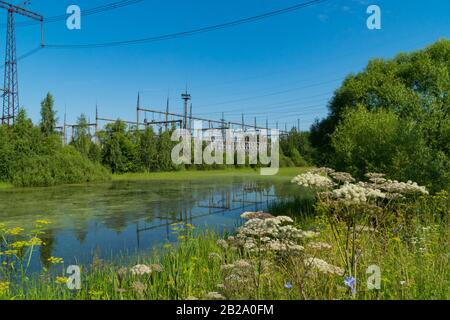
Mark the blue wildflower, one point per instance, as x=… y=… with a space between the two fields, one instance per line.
x=288 y=285
x=351 y=283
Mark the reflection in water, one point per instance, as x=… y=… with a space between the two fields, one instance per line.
x=105 y=219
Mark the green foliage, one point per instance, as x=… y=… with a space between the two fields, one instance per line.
x=34 y=156
x=48 y=115
x=147 y=150
x=31 y=156
x=64 y=167
x=412 y=91
x=297 y=146
x=119 y=151
x=381 y=141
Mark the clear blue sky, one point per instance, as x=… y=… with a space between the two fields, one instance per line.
x=284 y=67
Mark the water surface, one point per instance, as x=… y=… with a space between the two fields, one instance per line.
x=133 y=216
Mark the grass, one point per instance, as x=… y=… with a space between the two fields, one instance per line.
x=194 y=269
x=5 y=185
x=206 y=174
x=229 y=173
x=410 y=248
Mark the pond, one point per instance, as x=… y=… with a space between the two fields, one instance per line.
x=104 y=220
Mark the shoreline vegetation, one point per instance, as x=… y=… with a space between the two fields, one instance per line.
x=229 y=173
x=188 y=174
x=371 y=239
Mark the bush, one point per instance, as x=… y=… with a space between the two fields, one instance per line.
x=406 y=131
x=30 y=157
x=65 y=167
x=380 y=141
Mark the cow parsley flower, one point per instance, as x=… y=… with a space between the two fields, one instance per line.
x=323 y=266
x=319 y=246
x=313 y=180
x=140 y=269
x=342 y=177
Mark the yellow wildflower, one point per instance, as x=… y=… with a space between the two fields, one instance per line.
x=43 y=222
x=35 y=242
x=15 y=231
x=62 y=280
x=32 y=242
x=55 y=260
x=4 y=287
x=19 y=244
x=8 y=252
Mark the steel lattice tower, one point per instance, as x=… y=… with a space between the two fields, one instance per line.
x=11 y=82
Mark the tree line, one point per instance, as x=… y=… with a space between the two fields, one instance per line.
x=34 y=155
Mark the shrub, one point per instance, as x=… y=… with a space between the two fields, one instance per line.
x=381 y=141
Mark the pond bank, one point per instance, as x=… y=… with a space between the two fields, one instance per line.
x=208 y=174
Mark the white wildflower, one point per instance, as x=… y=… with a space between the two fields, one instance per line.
x=357 y=193
x=257 y=214
x=157 y=267
x=242 y=264
x=323 y=266
x=214 y=256
x=140 y=269
x=214 y=296
x=270 y=234
x=376 y=178
x=319 y=246
x=226 y=267
x=312 y=180
x=342 y=177
x=222 y=243
x=393 y=186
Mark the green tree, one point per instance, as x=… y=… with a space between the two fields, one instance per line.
x=148 y=150
x=119 y=148
x=82 y=140
x=29 y=156
x=412 y=86
x=164 y=148
x=381 y=141
x=48 y=115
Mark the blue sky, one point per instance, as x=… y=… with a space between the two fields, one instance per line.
x=282 y=68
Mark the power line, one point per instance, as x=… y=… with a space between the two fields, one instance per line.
x=25 y=55
x=273 y=93
x=191 y=32
x=87 y=12
x=273 y=108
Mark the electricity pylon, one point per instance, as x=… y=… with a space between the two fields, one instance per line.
x=11 y=82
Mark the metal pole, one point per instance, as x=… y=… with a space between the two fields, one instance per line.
x=96 y=125
x=167 y=111
x=138 y=105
